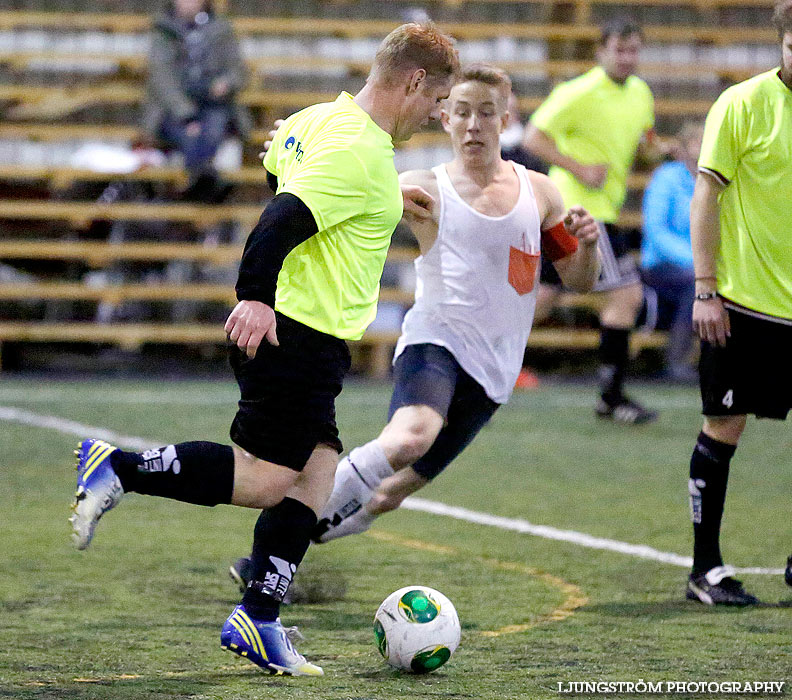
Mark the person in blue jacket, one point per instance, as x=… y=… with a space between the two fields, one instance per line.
x=666 y=254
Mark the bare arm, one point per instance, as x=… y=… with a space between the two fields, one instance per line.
x=420 y=214
x=580 y=270
x=544 y=146
x=710 y=319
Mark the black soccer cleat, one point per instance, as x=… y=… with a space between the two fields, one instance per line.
x=241 y=572
x=788 y=571
x=625 y=411
x=716 y=587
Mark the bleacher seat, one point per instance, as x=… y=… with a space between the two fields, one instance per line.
x=72 y=72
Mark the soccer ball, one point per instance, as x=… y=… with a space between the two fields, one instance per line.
x=417 y=629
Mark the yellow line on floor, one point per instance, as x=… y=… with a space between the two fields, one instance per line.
x=574 y=597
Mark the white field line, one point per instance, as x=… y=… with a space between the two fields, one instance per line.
x=551 y=533
x=70 y=427
x=197 y=397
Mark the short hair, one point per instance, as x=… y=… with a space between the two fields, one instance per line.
x=416 y=45
x=782 y=18
x=489 y=75
x=622 y=27
x=485 y=73
x=207 y=6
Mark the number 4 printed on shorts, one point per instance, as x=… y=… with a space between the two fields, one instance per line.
x=728 y=399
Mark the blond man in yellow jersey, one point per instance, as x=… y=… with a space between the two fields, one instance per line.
x=742 y=254
x=308 y=281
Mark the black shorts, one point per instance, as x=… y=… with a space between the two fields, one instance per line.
x=288 y=392
x=429 y=375
x=618 y=264
x=752 y=374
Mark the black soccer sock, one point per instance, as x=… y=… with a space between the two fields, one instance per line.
x=194 y=472
x=280 y=540
x=709 y=474
x=614 y=354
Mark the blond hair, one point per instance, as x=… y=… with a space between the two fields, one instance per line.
x=489 y=75
x=413 y=46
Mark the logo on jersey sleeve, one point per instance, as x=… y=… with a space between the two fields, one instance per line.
x=292 y=142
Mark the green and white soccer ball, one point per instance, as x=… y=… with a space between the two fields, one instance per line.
x=417 y=629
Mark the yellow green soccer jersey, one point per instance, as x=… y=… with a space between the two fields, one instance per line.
x=748 y=147
x=595 y=120
x=340 y=165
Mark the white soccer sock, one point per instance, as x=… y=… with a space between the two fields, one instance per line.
x=358 y=522
x=357 y=477
x=371 y=463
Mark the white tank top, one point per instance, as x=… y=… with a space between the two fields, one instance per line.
x=476 y=287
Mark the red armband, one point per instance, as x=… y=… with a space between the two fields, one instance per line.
x=557 y=242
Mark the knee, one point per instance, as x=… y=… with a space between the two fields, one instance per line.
x=633 y=298
x=257 y=483
x=269 y=495
x=726 y=429
x=622 y=306
x=412 y=445
x=314 y=485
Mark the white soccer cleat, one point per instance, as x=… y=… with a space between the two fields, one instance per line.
x=98 y=489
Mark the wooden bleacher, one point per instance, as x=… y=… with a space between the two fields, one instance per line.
x=352 y=27
x=82 y=213
x=41 y=113
x=555 y=68
x=377 y=346
x=61 y=101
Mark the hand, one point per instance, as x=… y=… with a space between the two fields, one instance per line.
x=711 y=321
x=592 y=176
x=219 y=88
x=582 y=226
x=193 y=130
x=417 y=202
x=249 y=323
x=270 y=137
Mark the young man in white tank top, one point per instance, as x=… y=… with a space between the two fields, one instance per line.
x=462 y=343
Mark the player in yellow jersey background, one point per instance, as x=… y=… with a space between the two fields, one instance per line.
x=589 y=129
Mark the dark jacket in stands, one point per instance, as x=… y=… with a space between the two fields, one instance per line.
x=184 y=60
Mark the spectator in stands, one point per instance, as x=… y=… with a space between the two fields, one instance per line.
x=195 y=74
x=666 y=255
x=590 y=129
x=511 y=141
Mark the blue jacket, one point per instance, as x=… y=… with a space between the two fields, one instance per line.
x=666 y=217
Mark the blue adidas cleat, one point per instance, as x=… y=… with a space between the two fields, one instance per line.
x=98 y=489
x=266 y=644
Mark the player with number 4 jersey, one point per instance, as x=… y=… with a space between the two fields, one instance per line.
x=743 y=305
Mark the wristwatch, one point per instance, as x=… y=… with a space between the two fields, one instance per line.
x=706 y=296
